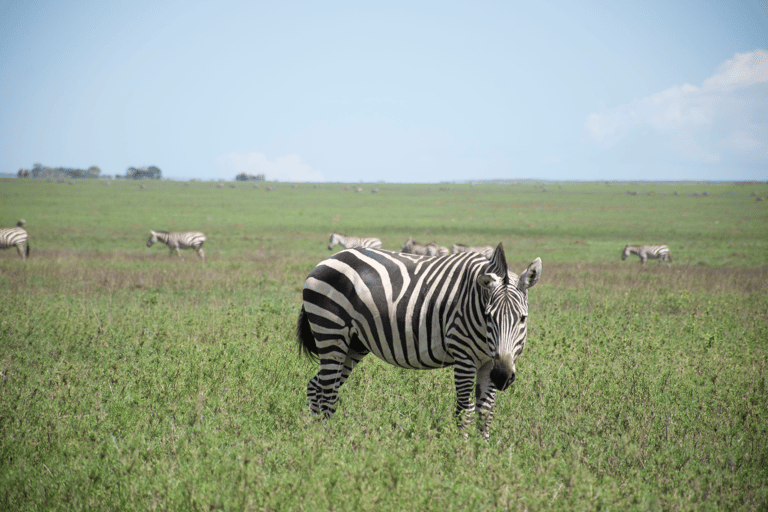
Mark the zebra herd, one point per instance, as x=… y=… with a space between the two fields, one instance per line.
x=408 y=247
x=19 y=238
x=423 y=307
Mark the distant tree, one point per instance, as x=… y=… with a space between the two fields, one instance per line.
x=155 y=172
x=140 y=173
x=250 y=177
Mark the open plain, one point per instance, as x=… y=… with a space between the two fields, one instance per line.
x=131 y=380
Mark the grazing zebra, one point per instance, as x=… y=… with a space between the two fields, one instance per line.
x=430 y=249
x=656 y=252
x=485 y=250
x=416 y=312
x=18 y=237
x=353 y=241
x=183 y=240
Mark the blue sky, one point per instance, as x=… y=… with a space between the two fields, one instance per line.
x=392 y=91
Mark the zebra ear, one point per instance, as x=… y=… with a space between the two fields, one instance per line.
x=498 y=262
x=531 y=276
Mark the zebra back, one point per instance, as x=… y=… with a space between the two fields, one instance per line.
x=412 y=247
x=15 y=237
x=349 y=242
x=485 y=250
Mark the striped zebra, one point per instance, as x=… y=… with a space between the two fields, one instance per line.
x=182 y=240
x=430 y=249
x=353 y=241
x=656 y=252
x=16 y=237
x=485 y=250
x=416 y=312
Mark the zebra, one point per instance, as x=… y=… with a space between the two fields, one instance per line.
x=353 y=241
x=182 y=240
x=18 y=237
x=416 y=312
x=485 y=250
x=430 y=249
x=656 y=252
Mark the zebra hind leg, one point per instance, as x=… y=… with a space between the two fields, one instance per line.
x=323 y=388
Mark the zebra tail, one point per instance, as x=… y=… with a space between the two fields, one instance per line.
x=305 y=338
x=26 y=255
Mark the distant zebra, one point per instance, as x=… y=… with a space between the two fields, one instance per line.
x=353 y=241
x=16 y=237
x=183 y=240
x=656 y=252
x=417 y=312
x=430 y=249
x=485 y=250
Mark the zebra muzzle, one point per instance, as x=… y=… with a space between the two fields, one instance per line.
x=502 y=374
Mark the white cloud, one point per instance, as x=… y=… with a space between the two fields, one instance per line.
x=743 y=70
x=286 y=168
x=720 y=113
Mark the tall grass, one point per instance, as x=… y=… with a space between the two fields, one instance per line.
x=131 y=380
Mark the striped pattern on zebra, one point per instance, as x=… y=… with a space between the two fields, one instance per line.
x=181 y=240
x=417 y=312
x=655 y=252
x=353 y=241
x=16 y=237
x=430 y=249
x=485 y=250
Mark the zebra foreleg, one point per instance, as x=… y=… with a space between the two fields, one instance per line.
x=485 y=395
x=463 y=377
x=201 y=253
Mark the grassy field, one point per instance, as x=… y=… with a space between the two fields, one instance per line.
x=134 y=381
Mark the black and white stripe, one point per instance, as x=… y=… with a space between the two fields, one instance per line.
x=16 y=237
x=417 y=312
x=182 y=240
x=655 y=252
x=485 y=250
x=430 y=249
x=353 y=241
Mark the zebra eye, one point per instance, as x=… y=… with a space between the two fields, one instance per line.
x=523 y=319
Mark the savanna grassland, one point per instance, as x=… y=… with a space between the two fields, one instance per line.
x=130 y=380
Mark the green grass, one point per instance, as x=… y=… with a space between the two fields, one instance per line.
x=133 y=381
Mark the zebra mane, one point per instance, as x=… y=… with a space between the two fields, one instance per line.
x=163 y=232
x=498 y=264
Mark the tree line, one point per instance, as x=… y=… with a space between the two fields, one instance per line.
x=132 y=173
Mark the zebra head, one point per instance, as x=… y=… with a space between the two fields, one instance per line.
x=333 y=240
x=625 y=253
x=152 y=238
x=407 y=246
x=506 y=310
